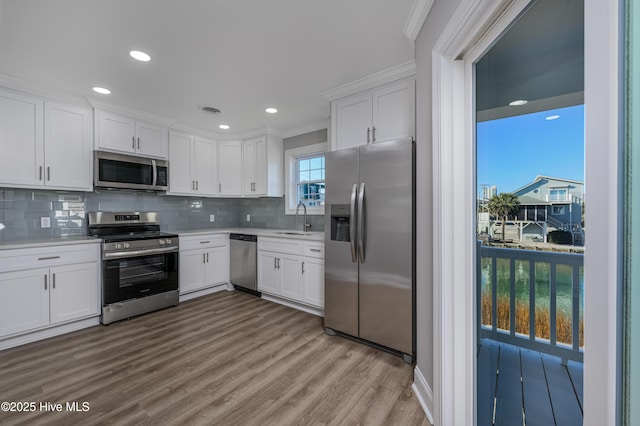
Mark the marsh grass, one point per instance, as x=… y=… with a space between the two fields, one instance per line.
x=543 y=330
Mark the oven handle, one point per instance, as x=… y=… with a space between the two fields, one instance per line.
x=134 y=253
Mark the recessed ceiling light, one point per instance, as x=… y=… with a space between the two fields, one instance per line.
x=140 y=56
x=518 y=102
x=271 y=110
x=552 y=117
x=224 y=126
x=101 y=90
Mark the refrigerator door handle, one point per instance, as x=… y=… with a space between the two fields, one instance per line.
x=361 y=234
x=352 y=218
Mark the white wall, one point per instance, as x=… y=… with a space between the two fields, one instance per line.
x=438 y=17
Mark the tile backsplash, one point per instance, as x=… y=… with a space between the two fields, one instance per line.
x=21 y=212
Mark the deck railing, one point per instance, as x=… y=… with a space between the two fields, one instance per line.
x=505 y=317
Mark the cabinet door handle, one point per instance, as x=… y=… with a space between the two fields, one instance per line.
x=40 y=173
x=373 y=139
x=203 y=258
x=138 y=143
x=219 y=187
x=48 y=173
x=278 y=263
x=316 y=250
x=196 y=185
x=45 y=282
x=205 y=242
x=133 y=142
x=207 y=257
x=303 y=267
x=49 y=258
x=53 y=283
x=275 y=263
x=368 y=135
x=192 y=185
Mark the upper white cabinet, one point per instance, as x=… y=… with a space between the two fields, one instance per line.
x=230 y=168
x=192 y=165
x=381 y=114
x=68 y=146
x=45 y=144
x=115 y=132
x=262 y=165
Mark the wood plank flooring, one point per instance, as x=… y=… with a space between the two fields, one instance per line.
x=227 y=358
x=518 y=386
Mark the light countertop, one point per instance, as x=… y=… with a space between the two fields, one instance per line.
x=46 y=242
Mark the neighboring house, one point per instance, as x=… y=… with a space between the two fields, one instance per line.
x=546 y=204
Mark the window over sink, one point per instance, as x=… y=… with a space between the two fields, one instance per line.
x=304 y=178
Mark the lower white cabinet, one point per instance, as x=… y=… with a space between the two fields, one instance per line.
x=63 y=290
x=292 y=269
x=204 y=261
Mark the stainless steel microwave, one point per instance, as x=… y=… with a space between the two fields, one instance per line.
x=123 y=171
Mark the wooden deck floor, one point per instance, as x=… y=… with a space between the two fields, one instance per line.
x=518 y=386
x=223 y=359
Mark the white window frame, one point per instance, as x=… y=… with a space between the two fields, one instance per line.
x=290 y=158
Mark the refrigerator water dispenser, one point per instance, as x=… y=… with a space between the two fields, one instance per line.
x=340 y=222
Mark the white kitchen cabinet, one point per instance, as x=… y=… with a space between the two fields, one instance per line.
x=262 y=166
x=21 y=139
x=120 y=133
x=381 y=114
x=292 y=269
x=68 y=147
x=45 y=144
x=192 y=165
x=45 y=287
x=204 y=261
x=230 y=168
x=24 y=302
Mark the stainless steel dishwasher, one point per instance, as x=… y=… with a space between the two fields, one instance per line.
x=244 y=262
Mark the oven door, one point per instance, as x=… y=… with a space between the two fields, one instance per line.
x=140 y=276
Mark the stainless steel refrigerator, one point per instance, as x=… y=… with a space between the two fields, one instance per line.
x=369 y=244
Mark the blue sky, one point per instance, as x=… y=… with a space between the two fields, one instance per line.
x=512 y=151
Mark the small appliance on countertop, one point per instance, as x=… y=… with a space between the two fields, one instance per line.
x=139 y=263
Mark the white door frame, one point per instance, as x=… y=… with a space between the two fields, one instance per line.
x=475 y=25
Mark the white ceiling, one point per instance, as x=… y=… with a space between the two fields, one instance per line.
x=238 y=55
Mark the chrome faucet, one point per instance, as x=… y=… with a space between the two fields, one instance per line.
x=306 y=225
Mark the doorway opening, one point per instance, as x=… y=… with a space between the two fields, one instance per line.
x=530 y=228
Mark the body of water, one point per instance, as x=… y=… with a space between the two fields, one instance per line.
x=564 y=279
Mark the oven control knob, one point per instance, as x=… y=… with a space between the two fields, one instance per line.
x=168 y=241
x=127 y=245
x=162 y=242
x=118 y=246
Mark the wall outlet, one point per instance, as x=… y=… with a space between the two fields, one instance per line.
x=248 y=218
x=212 y=218
x=45 y=222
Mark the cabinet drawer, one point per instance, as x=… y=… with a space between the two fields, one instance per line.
x=280 y=245
x=313 y=249
x=203 y=241
x=29 y=258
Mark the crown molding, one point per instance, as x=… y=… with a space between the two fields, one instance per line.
x=388 y=75
x=19 y=85
x=320 y=125
x=135 y=113
x=419 y=12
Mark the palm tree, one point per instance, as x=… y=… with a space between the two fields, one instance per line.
x=502 y=206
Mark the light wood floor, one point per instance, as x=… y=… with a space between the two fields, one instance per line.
x=223 y=359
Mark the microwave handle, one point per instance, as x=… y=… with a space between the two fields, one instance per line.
x=154 y=172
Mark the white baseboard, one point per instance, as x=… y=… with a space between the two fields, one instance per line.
x=423 y=392
x=292 y=304
x=203 y=292
x=48 y=332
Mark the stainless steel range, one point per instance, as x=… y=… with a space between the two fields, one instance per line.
x=139 y=263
